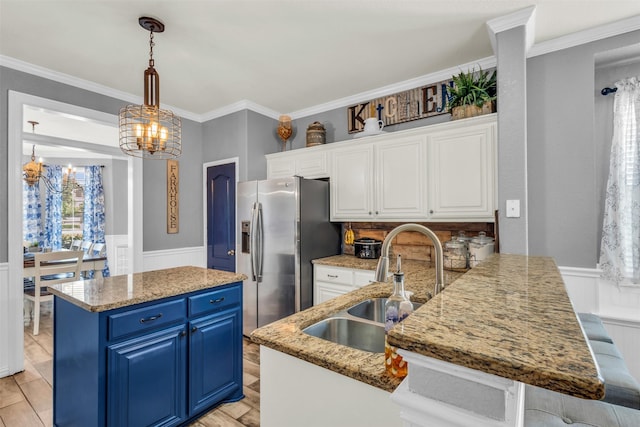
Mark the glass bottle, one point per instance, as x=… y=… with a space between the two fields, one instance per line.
x=396 y=309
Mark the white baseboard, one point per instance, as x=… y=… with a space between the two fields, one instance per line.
x=168 y=258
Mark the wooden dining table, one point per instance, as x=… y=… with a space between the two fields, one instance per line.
x=89 y=263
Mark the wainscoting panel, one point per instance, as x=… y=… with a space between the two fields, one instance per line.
x=4 y=319
x=158 y=260
x=619 y=309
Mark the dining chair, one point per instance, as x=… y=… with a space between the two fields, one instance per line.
x=75 y=245
x=98 y=249
x=51 y=268
x=86 y=246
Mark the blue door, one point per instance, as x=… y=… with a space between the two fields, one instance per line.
x=221 y=217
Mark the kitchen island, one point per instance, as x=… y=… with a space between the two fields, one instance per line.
x=509 y=317
x=159 y=347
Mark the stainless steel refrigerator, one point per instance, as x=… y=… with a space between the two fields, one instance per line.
x=283 y=225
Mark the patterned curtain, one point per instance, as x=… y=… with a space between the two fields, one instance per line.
x=620 y=249
x=52 y=236
x=31 y=214
x=94 y=218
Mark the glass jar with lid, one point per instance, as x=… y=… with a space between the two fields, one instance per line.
x=455 y=254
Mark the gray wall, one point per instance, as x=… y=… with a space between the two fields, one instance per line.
x=155 y=236
x=512 y=138
x=190 y=231
x=244 y=134
x=563 y=153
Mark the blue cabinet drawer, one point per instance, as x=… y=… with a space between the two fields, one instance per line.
x=147 y=318
x=215 y=300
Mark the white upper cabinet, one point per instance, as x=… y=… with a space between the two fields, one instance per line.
x=308 y=163
x=352 y=183
x=461 y=169
x=442 y=172
x=379 y=181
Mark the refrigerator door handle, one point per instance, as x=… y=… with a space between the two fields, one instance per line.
x=252 y=235
x=259 y=247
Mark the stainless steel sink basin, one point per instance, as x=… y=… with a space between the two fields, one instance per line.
x=352 y=333
x=373 y=309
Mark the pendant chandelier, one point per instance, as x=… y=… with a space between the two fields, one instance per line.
x=32 y=171
x=146 y=130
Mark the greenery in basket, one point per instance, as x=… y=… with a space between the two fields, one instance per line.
x=472 y=88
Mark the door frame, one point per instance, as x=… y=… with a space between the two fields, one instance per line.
x=205 y=166
x=14 y=326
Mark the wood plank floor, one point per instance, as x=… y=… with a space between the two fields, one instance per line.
x=26 y=398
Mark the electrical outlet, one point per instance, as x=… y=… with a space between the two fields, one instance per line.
x=513 y=208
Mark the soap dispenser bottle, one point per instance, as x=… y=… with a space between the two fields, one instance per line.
x=397 y=308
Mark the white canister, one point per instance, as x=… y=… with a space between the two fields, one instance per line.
x=480 y=247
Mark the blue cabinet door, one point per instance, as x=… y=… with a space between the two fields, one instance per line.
x=146 y=380
x=215 y=360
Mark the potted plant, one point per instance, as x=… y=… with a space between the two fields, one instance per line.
x=473 y=94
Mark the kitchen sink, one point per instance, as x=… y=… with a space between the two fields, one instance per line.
x=350 y=332
x=373 y=309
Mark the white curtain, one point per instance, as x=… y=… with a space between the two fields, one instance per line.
x=620 y=248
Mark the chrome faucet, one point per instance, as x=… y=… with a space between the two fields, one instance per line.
x=382 y=270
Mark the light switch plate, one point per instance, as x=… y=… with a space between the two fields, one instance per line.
x=513 y=208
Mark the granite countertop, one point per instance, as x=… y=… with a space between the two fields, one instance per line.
x=509 y=316
x=108 y=293
x=286 y=334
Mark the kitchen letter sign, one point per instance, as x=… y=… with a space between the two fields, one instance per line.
x=173 y=188
x=413 y=104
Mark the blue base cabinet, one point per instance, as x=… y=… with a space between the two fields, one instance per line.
x=162 y=363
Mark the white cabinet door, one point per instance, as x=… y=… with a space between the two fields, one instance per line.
x=401 y=179
x=283 y=167
x=326 y=291
x=303 y=163
x=352 y=183
x=363 y=277
x=461 y=165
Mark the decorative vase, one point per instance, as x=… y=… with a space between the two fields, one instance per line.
x=316 y=134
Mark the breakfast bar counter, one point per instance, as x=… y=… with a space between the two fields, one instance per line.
x=510 y=316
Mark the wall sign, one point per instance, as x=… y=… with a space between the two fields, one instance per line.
x=173 y=189
x=413 y=104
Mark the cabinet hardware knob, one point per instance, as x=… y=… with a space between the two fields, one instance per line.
x=369 y=212
x=216 y=301
x=431 y=211
x=231 y=252
x=194 y=328
x=376 y=212
x=151 y=319
x=183 y=334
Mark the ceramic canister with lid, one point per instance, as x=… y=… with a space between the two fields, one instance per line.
x=480 y=247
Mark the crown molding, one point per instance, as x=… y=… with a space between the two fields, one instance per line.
x=67 y=79
x=239 y=106
x=586 y=36
x=484 y=63
x=522 y=18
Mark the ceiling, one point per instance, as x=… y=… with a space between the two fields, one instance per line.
x=284 y=55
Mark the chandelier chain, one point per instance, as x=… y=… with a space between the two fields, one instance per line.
x=151 y=45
